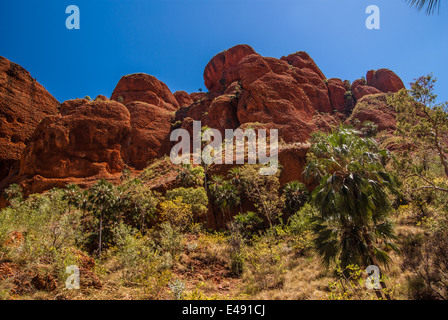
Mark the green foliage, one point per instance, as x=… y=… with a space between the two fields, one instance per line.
x=369 y=129
x=351 y=285
x=236 y=243
x=302 y=220
x=224 y=194
x=167 y=239
x=134 y=253
x=265 y=266
x=263 y=191
x=137 y=202
x=196 y=198
x=49 y=232
x=190 y=176
x=249 y=223
x=177 y=213
x=296 y=195
x=13 y=194
x=352 y=198
x=422 y=125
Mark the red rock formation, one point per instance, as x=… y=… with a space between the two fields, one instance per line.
x=311 y=80
x=183 y=98
x=144 y=88
x=336 y=89
x=361 y=91
x=221 y=70
x=97 y=139
x=23 y=104
x=274 y=99
x=384 y=80
x=84 y=141
x=374 y=108
x=150 y=134
x=196 y=96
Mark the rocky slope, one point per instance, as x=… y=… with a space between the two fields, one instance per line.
x=89 y=140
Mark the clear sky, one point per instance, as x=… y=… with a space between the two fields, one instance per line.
x=174 y=39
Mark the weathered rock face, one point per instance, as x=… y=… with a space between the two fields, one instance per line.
x=374 y=108
x=361 y=91
x=337 y=90
x=183 y=98
x=23 y=104
x=311 y=80
x=91 y=140
x=274 y=99
x=150 y=134
x=221 y=71
x=85 y=140
x=144 y=88
x=384 y=80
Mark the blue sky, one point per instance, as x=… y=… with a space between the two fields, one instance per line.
x=174 y=39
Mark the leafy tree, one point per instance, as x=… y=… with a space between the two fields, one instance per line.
x=263 y=191
x=177 y=213
x=138 y=202
x=190 y=176
x=352 y=199
x=249 y=223
x=423 y=124
x=194 y=197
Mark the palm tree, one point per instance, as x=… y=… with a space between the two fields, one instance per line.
x=234 y=176
x=71 y=195
x=102 y=200
x=431 y=5
x=352 y=198
x=296 y=195
x=224 y=194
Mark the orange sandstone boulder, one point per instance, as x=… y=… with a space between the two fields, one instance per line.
x=337 y=90
x=23 y=104
x=384 y=80
x=150 y=134
x=221 y=70
x=183 y=98
x=85 y=140
x=144 y=88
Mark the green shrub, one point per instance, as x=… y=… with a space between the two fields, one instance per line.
x=249 y=223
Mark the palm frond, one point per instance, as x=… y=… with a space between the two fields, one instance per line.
x=431 y=5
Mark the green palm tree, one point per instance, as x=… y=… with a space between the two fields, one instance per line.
x=224 y=195
x=431 y=6
x=296 y=195
x=352 y=198
x=71 y=195
x=103 y=201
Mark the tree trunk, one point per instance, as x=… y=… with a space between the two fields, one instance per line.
x=101 y=231
x=375 y=262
